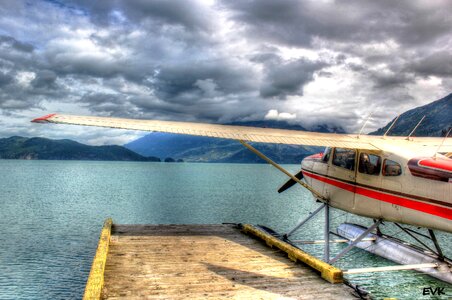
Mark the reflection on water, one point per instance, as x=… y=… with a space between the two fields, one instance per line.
x=51 y=213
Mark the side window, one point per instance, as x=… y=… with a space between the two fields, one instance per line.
x=391 y=168
x=369 y=164
x=326 y=154
x=344 y=158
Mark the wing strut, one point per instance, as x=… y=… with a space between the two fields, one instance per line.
x=261 y=155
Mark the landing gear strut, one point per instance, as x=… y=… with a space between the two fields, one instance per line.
x=326 y=254
x=431 y=236
x=326 y=234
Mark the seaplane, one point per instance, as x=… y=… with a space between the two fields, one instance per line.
x=403 y=180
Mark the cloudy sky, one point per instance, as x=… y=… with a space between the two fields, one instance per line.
x=306 y=61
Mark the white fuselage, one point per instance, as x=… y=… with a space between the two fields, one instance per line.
x=401 y=198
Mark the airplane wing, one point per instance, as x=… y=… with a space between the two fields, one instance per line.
x=244 y=133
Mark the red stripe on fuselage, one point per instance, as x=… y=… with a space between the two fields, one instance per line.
x=405 y=202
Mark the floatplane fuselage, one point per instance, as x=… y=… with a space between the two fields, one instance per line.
x=412 y=189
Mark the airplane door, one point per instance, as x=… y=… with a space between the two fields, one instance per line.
x=321 y=167
x=391 y=181
x=368 y=177
x=341 y=172
x=391 y=175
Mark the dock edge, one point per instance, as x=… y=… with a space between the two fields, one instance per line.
x=327 y=271
x=94 y=285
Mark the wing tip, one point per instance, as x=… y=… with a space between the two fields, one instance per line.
x=43 y=119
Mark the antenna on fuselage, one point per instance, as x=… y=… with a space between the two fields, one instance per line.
x=392 y=125
x=445 y=137
x=415 y=127
x=364 y=125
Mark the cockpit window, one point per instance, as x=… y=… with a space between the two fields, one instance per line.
x=344 y=158
x=326 y=154
x=391 y=168
x=369 y=164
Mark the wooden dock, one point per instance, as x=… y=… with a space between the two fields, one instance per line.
x=201 y=262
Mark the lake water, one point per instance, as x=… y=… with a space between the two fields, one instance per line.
x=51 y=213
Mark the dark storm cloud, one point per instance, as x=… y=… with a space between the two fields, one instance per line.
x=109 y=104
x=85 y=56
x=298 y=23
x=23 y=83
x=101 y=98
x=17 y=45
x=398 y=37
x=189 y=81
x=5 y=79
x=284 y=77
x=44 y=79
x=390 y=79
x=287 y=78
x=274 y=20
x=15 y=54
x=191 y=15
x=392 y=76
x=438 y=63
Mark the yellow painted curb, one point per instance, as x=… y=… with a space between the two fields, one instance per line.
x=327 y=271
x=93 y=289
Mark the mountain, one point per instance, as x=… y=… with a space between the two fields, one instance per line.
x=205 y=149
x=438 y=119
x=17 y=147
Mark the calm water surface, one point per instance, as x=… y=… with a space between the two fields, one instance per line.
x=51 y=213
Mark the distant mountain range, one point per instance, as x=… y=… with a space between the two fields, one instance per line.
x=205 y=149
x=438 y=120
x=17 y=147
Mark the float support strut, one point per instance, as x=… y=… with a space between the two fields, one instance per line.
x=304 y=221
x=435 y=242
x=356 y=241
x=326 y=233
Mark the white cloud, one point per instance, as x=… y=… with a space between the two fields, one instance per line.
x=24 y=78
x=273 y=114
x=208 y=86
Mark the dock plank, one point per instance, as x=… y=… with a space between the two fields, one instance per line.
x=205 y=262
